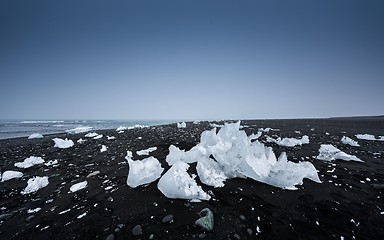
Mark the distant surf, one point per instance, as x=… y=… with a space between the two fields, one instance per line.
x=24 y=128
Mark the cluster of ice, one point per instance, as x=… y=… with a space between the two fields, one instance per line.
x=61 y=143
x=369 y=137
x=177 y=183
x=349 y=141
x=78 y=186
x=234 y=155
x=91 y=135
x=79 y=130
x=35 y=135
x=121 y=128
x=29 y=162
x=146 y=151
x=51 y=163
x=34 y=184
x=255 y=136
x=144 y=171
x=181 y=125
x=289 y=142
x=328 y=152
x=8 y=175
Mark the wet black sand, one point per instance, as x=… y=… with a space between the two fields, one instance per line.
x=347 y=204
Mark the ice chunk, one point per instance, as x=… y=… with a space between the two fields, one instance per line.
x=191 y=156
x=8 y=175
x=177 y=183
x=29 y=162
x=78 y=186
x=103 y=148
x=35 y=210
x=181 y=125
x=79 y=130
x=60 y=143
x=349 y=141
x=137 y=126
x=81 y=141
x=111 y=137
x=143 y=171
x=210 y=172
x=290 y=142
x=34 y=184
x=369 y=137
x=328 y=152
x=287 y=175
x=121 y=128
x=51 y=163
x=146 y=151
x=35 y=135
x=91 y=135
x=98 y=136
x=255 y=136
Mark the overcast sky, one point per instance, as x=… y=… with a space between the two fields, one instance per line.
x=189 y=59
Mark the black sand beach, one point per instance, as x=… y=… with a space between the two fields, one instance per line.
x=347 y=204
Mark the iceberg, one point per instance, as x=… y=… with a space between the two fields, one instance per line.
x=8 y=175
x=181 y=125
x=289 y=142
x=78 y=130
x=35 y=135
x=60 y=143
x=78 y=186
x=144 y=171
x=34 y=184
x=348 y=141
x=29 y=162
x=146 y=151
x=328 y=152
x=177 y=183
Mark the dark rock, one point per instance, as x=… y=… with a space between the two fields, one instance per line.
x=168 y=219
x=249 y=231
x=29 y=218
x=237 y=236
x=137 y=230
x=110 y=237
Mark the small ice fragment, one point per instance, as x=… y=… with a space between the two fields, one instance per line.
x=146 y=151
x=34 y=184
x=103 y=148
x=35 y=135
x=349 y=141
x=91 y=135
x=181 y=125
x=78 y=186
x=81 y=141
x=51 y=163
x=29 y=162
x=8 y=175
x=35 y=210
x=328 y=152
x=82 y=215
x=79 y=130
x=60 y=143
x=98 y=136
x=111 y=137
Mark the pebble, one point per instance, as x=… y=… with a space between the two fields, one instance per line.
x=110 y=237
x=202 y=235
x=168 y=219
x=137 y=230
x=30 y=218
x=249 y=231
x=237 y=236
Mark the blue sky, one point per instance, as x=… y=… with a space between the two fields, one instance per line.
x=191 y=59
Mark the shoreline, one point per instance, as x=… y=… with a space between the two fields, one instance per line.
x=324 y=210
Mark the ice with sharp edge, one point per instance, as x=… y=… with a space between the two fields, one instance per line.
x=328 y=152
x=144 y=171
x=349 y=141
x=34 y=184
x=35 y=135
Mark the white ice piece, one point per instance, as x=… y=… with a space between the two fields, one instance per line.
x=35 y=210
x=121 y=128
x=91 y=135
x=144 y=171
x=191 y=156
x=210 y=172
x=290 y=142
x=34 y=184
x=349 y=141
x=8 y=175
x=81 y=141
x=181 y=125
x=369 y=137
x=78 y=186
x=328 y=152
x=51 y=163
x=177 y=183
x=60 y=143
x=79 y=130
x=98 y=136
x=103 y=148
x=29 y=162
x=111 y=137
x=35 y=135
x=146 y=151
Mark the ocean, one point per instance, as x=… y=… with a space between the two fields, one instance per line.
x=24 y=128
